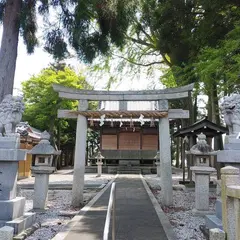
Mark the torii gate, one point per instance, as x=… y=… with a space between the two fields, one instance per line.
x=163 y=114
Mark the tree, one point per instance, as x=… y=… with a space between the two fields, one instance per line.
x=42 y=102
x=20 y=17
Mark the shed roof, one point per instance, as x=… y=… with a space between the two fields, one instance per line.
x=204 y=126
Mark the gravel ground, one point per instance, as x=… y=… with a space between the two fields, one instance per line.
x=54 y=219
x=59 y=211
x=66 y=176
x=185 y=224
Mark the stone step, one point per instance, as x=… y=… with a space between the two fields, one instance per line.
x=212 y=221
x=21 y=223
x=219 y=208
x=128 y=171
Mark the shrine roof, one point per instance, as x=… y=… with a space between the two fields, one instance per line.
x=25 y=130
x=204 y=126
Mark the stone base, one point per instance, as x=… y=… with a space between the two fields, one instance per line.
x=215 y=221
x=12 y=142
x=228 y=156
x=6 y=233
x=11 y=209
x=212 y=221
x=21 y=223
x=201 y=212
x=38 y=210
x=129 y=163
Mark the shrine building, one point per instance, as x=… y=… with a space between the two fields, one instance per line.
x=128 y=141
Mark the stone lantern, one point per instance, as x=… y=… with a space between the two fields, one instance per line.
x=157 y=162
x=44 y=153
x=202 y=153
x=99 y=163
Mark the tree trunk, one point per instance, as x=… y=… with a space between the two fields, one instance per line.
x=9 y=45
x=214 y=116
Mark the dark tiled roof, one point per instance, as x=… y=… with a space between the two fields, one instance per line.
x=204 y=126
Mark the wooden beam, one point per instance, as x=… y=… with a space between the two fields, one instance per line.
x=147 y=95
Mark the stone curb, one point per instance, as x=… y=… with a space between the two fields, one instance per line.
x=161 y=215
x=61 y=186
x=61 y=235
x=27 y=232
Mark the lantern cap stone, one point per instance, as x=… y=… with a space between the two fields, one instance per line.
x=201 y=148
x=99 y=155
x=45 y=135
x=158 y=155
x=44 y=147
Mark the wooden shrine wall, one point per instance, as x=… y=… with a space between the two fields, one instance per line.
x=149 y=142
x=119 y=139
x=129 y=141
x=109 y=142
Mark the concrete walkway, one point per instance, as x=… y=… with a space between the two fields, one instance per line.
x=136 y=217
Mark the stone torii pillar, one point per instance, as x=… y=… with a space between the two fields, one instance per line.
x=80 y=156
x=165 y=155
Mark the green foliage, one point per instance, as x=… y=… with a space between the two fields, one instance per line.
x=168 y=78
x=222 y=63
x=42 y=102
x=2 y=6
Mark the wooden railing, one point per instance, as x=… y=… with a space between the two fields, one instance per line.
x=111 y=213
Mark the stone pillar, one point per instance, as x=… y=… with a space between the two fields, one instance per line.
x=216 y=234
x=202 y=176
x=11 y=206
x=80 y=156
x=157 y=157
x=99 y=164
x=229 y=176
x=158 y=168
x=165 y=156
x=41 y=186
x=122 y=105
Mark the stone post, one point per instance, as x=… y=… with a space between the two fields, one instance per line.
x=99 y=173
x=165 y=156
x=41 y=186
x=43 y=168
x=216 y=234
x=158 y=168
x=236 y=204
x=229 y=176
x=99 y=163
x=157 y=157
x=80 y=156
x=233 y=212
x=202 y=176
